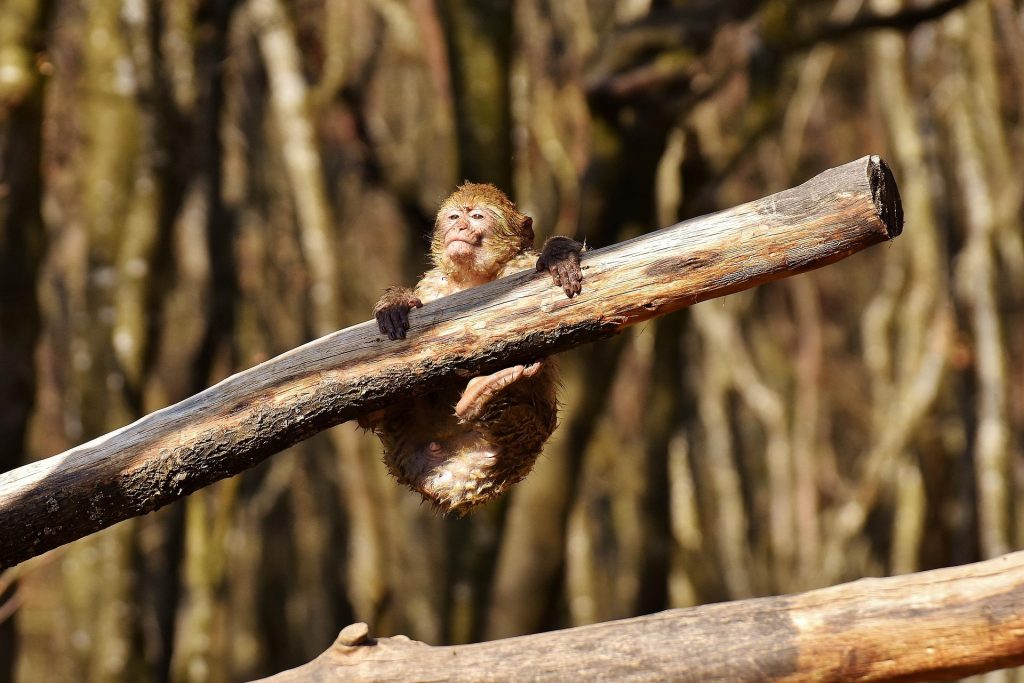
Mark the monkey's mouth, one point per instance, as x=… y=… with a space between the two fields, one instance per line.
x=461 y=247
x=471 y=241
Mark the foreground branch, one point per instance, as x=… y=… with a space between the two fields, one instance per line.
x=946 y=623
x=256 y=413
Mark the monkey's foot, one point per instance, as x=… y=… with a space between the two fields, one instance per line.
x=480 y=390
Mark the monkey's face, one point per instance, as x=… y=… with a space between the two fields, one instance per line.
x=468 y=239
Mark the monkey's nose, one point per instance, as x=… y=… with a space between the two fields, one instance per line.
x=465 y=234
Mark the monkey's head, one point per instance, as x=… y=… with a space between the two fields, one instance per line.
x=478 y=230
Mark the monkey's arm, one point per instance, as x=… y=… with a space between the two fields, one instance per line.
x=392 y=311
x=561 y=257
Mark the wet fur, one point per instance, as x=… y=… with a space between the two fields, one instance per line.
x=458 y=464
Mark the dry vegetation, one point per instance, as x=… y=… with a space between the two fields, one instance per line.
x=189 y=187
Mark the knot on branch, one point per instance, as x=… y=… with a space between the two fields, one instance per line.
x=354 y=634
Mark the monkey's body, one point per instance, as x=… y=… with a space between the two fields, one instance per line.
x=460 y=447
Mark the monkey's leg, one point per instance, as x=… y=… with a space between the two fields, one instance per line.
x=481 y=390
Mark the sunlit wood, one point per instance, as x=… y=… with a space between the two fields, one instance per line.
x=941 y=624
x=237 y=423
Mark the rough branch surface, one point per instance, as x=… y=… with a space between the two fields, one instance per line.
x=940 y=624
x=237 y=423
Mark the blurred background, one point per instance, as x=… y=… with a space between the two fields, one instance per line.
x=190 y=187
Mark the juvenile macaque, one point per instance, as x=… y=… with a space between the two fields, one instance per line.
x=461 y=449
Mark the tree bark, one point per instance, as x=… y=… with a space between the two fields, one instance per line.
x=941 y=624
x=253 y=414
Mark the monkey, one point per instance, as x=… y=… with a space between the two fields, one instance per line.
x=460 y=449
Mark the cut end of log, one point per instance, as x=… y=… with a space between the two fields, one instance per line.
x=885 y=195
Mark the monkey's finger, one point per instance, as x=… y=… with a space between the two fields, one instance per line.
x=555 y=276
x=565 y=276
x=576 y=278
x=415 y=303
x=390 y=326
x=541 y=265
x=402 y=314
x=576 y=274
x=472 y=384
x=565 y=279
x=382 y=323
x=486 y=386
x=399 y=322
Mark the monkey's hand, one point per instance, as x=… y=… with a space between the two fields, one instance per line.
x=561 y=257
x=480 y=390
x=392 y=311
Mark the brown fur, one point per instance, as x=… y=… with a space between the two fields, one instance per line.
x=460 y=461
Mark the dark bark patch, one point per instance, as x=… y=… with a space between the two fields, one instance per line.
x=678 y=265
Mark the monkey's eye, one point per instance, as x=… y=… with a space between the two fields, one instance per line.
x=453 y=216
x=476 y=215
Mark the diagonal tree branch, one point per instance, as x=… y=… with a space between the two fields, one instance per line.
x=244 y=419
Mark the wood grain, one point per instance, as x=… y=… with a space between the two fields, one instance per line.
x=237 y=423
x=941 y=624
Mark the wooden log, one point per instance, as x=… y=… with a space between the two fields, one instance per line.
x=245 y=418
x=940 y=624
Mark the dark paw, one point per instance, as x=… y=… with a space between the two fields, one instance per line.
x=561 y=258
x=392 y=315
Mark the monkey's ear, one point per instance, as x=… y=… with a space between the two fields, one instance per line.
x=526 y=230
